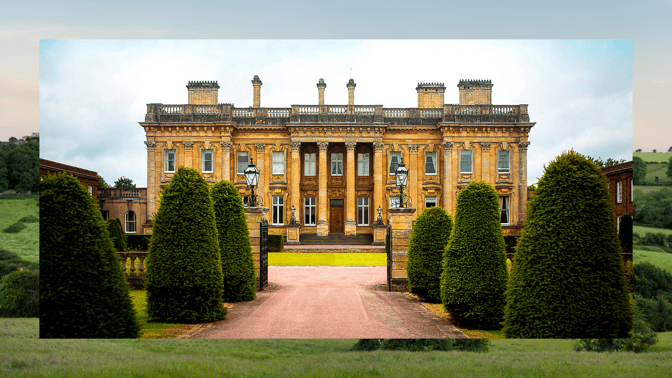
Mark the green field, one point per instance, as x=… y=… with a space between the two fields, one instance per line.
x=657 y=170
x=642 y=230
x=659 y=259
x=327 y=259
x=650 y=157
x=25 y=243
x=650 y=189
x=22 y=354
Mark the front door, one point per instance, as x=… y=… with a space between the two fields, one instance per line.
x=336 y=216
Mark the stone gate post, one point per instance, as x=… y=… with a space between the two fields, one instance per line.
x=254 y=217
x=401 y=225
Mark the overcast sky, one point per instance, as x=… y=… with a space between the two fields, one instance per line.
x=592 y=98
x=93 y=93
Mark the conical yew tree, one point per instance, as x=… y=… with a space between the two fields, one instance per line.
x=474 y=275
x=429 y=238
x=83 y=293
x=184 y=270
x=234 y=243
x=568 y=279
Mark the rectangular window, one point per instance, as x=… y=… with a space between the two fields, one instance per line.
x=169 y=160
x=278 y=210
x=309 y=164
x=395 y=159
x=503 y=160
x=309 y=211
x=206 y=158
x=430 y=202
x=363 y=211
x=337 y=164
x=106 y=214
x=465 y=161
x=618 y=225
x=243 y=162
x=363 y=164
x=619 y=192
x=278 y=162
x=504 y=206
x=430 y=163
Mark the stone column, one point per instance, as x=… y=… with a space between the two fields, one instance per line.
x=401 y=224
x=522 y=180
x=350 y=204
x=412 y=183
x=295 y=180
x=256 y=84
x=379 y=173
x=322 y=225
x=254 y=217
x=152 y=184
x=261 y=166
x=226 y=160
x=320 y=89
x=351 y=92
x=447 y=177
x=485 y=163
x=188 y=155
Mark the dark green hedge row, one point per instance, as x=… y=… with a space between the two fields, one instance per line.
x=117 y=234
x=19 y=294
x=276 y=243
x=138 y=242
x=569 y=255
x=429 y=238
x=422 y=345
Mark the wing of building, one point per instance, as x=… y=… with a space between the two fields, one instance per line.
x=335 y=164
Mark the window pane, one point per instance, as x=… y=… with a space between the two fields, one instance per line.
x=309 y=211
x=504 y=208
x=309 y=164
x=207 y=161
x=363 y=164
x=430 y=202
x=395 y=157
x=503 y=161
x=169 y=159
x=278 y=210
x=430 y=163
x=336 y=164
x=242 y=162
x=363 y=211
x=278 y=163
x=465 y=161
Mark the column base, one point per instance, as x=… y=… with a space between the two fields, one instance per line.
x=322 y=228
x=350 y=227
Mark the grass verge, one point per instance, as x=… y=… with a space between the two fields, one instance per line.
x=660 y=259
x=327 y=259
x=24 y=243
x=155 y=330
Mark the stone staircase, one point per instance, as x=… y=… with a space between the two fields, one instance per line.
x=336 y=239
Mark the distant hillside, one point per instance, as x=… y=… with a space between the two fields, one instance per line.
x=650 y=157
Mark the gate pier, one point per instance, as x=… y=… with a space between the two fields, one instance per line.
x=255 y=220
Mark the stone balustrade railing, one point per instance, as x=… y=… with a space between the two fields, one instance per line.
x=115 y=193
x=133 y=268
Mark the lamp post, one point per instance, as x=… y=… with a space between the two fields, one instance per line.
x=380 y=215
x=293 y=220
x=401 y=177
x=252 y=178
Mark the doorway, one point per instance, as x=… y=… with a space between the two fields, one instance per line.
x=336 y=216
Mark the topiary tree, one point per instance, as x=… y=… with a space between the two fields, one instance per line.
x=19 y=294
x=83 y=293
x=240 y=277
x=430 y=235
x=184 y=269
x=474 y=275
x=117 y=234
x=568 y=279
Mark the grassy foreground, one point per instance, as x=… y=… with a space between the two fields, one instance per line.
x=25 y=243
x=22 y=354
x=327 y=259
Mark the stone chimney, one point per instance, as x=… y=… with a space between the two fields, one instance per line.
x=351 y=92
x=203 y=92
x=475 y=92
x=430 y=95
x=256 y=83
x=320 y=91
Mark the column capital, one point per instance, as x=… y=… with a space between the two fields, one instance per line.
x=226 y=144
x=350 y=146
x=188 y=145
x=485 y=145
x=322 y=146
x=523 y=146
x=260 y=146
x=413 y=148
x=447 y=145
x=150 y=144
x=378 y=146
x=295 y=146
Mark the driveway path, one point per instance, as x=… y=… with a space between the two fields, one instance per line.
x=328 y=302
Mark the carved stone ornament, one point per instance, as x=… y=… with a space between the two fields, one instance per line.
x=259 y=146
x=188 y=144
x=413 y=148
x=378 y=146
x=523 y=145
x=447 y=146
x=295 y=146
x=350 y=146
x=322 y=146
x=485 y=145
x=150 y=144
x=226 y=144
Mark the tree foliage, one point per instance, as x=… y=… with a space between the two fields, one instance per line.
x=19 y=294
x=124 y=183
x=429 y=238
x=638 y=170
x=19 y=167
x=117 y=234
x=474 y=276
x=184 y=269
x=568 y=279
x=653 y=208
x=102 y=184
x=83 y=293
x=234 y=243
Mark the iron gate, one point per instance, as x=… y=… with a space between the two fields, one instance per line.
x=263 y=255
x=388 y=250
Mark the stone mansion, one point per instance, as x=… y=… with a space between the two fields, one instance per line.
x=335 y=164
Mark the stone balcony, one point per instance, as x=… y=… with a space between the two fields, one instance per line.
x=122 y=194
x=337 y=114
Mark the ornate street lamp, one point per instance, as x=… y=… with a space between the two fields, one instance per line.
x=402 y=177
x=380 y=215
x=252 y=178
x=293 y=220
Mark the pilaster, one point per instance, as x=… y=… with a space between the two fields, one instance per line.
x=351 y=206
x=295 y=180
x=152 y=184
x=378 y=175
x=448 y=183
x=188 y=154
x=401 y=224
x=322 y=225
x=254 y=217
x=412 y=182
x=522 y=180
x=226 y=160
x=261 y=166
x=485 y=162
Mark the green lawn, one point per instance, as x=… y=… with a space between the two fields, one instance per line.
x=25 y=243
x=650 y=157
x=660 y=259
x=650 y=189
x=642 y=230
x=327 y=259
x=657 y=170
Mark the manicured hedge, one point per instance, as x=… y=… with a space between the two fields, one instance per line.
x=138 y=242
x=429 y=238
x=183 y=275
x=474 y=275
x=422 y=345
x=276 y=243
x=239 y=275
x=568 y=279
x=83 y=293
x=19 y=294
x=117 y=234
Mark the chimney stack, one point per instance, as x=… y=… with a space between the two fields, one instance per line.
x=351 y=92
x=256 y=83
x=320 y=90
x=202 y=92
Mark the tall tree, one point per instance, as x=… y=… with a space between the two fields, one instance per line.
x=124 y=183
x=568 y=279
x=102 y=184
x=638 y=170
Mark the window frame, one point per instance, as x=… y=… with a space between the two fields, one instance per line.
x=619 y=192
x=393 y=172
x=204 y=153
x=239 y=154
x=132 y=222
x=167 y=160
x=278 y=216
x=280 y=162
x=500 y=169
x=363 y=211
x=363 y=164
x=307 y=164
x=310 y=211
x=434 y=158
x=505 y=200
x=430 y=199
x=334 y=163
x=463 y=161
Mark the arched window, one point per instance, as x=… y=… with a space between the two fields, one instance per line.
x=130 y=222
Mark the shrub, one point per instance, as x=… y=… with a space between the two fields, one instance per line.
x=627 y=267
x=239 y=275
x=568 y=279
x=510 y=241
x=138 y=242
x=117 y=234
x=656 y=311
x=14 y=228
x=183 y=275
x=19 y=294
x=430 y=235
x=625 y=232
x=83 y=293
x=29 y=219
x=650 y=280
x=426 y=345
x=473 y=281
x=276 y=243
x=367 y=345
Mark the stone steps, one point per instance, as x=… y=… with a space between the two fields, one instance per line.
x=336 y=239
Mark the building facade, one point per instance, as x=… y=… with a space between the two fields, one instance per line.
x=88 y=178
x=334 y=164
x=620 y=179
